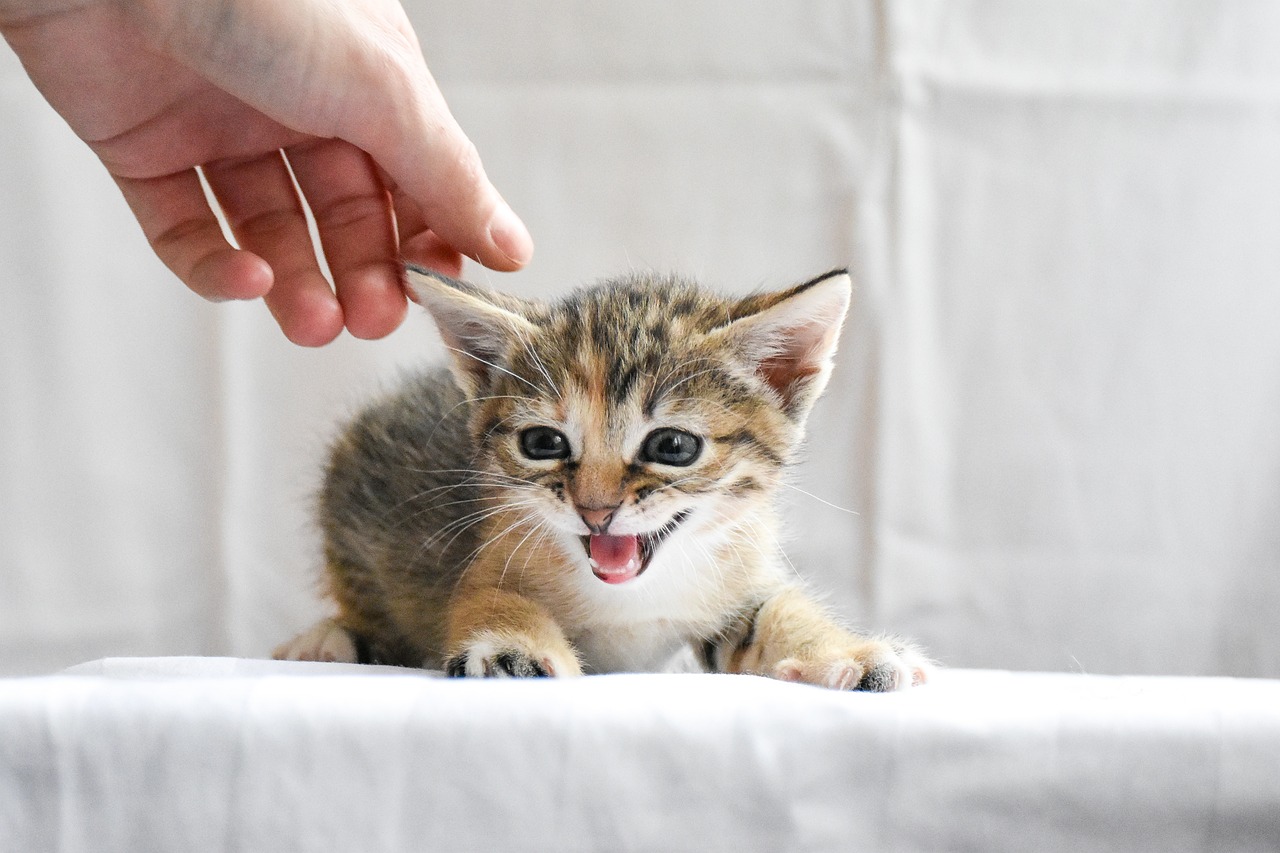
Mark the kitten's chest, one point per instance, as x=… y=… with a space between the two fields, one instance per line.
x=641 y=625
x=643 y=647
x=640 y=633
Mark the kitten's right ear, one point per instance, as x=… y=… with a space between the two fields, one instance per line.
x=477 y=325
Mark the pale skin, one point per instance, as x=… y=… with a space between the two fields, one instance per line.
x=159 y=87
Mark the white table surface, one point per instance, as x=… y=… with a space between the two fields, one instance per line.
x=223 y=754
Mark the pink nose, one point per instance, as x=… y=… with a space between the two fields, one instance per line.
x=597 y=520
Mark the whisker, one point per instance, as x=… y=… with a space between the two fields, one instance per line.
x=538 y=363
x=466 y=522
x=818 y=499
x=507 y=565
x=494 y=366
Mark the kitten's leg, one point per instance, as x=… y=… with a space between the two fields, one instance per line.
x=496 y=633
x=792 y=638
x=324 y=641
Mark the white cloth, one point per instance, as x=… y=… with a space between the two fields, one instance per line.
x=1056 y=411
x=230 y=755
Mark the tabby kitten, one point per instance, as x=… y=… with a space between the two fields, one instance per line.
x=591 y=491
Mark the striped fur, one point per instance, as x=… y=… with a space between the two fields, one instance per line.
x=448 y=546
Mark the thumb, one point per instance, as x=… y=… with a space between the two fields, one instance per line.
x=430 y=159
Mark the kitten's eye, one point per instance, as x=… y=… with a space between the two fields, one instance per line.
x=543 y=442
x=671 y=447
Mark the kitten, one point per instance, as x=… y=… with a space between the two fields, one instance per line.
x=591 y=491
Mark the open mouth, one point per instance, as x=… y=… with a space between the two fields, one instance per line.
x=618 y=559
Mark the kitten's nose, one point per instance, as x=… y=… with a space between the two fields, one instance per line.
x=597 y=519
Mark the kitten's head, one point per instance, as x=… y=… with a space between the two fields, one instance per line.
x=638 y=409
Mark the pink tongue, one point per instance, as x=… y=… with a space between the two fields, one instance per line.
x=615 y=559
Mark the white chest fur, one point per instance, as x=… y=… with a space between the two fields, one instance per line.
x=646 y=647
x=638 y=626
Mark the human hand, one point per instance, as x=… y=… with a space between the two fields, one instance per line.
x=158 y=87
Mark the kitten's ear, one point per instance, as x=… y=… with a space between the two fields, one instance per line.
x=477 y=325
x=789 y=337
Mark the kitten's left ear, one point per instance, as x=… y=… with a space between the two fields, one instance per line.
x=789 y=337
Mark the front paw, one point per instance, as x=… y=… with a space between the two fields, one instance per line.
x=873 y=665
x=493 y=657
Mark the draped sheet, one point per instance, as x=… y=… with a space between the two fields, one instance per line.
x=214 y=754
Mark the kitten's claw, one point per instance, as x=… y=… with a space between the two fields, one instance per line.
x=873 y=666
x=489 y=658
x=505 y=665
x=324 y=641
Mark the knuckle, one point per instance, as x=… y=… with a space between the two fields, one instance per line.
x=183 y=232
x=269 y=222
x=351 y=210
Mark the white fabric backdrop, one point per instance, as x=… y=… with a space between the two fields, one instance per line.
x=1057 y=409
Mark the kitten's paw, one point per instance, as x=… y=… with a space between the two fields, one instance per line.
x=493 y=657
x=324 y=641
x=876 y=666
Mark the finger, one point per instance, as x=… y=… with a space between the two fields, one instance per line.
x=428 y=250
x=353 y=216
x=409 y=220
x=420 y=245
x=184 y=233
x=265 y=214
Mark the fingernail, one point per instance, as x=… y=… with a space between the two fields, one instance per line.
x=510 y=236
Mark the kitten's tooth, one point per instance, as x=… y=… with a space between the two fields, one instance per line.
x=592 y=561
